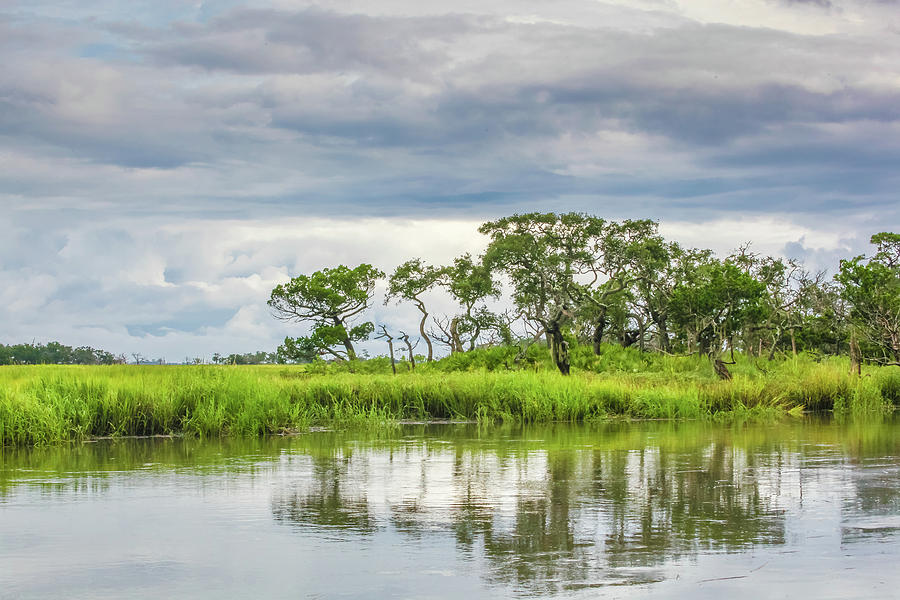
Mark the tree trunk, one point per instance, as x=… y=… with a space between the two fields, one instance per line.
x=663 y=332
x=560 y=347
x=393 y=362
x=641 y=331
x=775 y=338
x=348 y=346
x=793 y=343
x=475 y=335
x=561 y=354
x=390 y=341
x=425 y=337
x=895 y=345
x=855 y=357
x=412 y=359
x=721 y=370
x=599 y=326
x=598 y=337
x=455 y=343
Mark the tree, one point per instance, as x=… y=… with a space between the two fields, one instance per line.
x=540 y=253
x=410 y=281
x=390 y=342
x=297 y=350
x=470 y=283
x=616 y=256
x=714 y=300
x=872 y=287
x=410 y=346
x=329 y=299
x=657 y=281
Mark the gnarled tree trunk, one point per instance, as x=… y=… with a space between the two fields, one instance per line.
x=455 y=342
x=662 y=331
x=560 y=347
x=721 y=370
x=348 y=345
x=599 y=327
x=412 y=359
x=425 y=337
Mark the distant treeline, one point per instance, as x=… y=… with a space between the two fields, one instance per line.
x=55 y=353
x=248 y=358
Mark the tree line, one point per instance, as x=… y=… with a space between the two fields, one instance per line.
x=55 y=353
x=576 y=278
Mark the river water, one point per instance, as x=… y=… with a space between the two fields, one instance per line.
x=804 y=508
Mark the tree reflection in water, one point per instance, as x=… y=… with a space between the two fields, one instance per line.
x=537 y=509
x=558 y=508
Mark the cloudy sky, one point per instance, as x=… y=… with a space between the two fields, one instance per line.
x=164 y=164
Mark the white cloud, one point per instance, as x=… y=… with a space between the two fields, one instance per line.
x=167 y=164
x=198 y=286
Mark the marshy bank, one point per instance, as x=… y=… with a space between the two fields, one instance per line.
x=52 y=404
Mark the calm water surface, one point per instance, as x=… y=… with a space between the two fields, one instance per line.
x=798 y=509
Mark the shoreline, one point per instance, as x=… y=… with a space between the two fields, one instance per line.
x=52 y=404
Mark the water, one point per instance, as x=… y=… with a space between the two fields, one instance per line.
x=801 y=509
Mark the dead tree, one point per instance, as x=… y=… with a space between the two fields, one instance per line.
x=390 y=340
x=447 y=333
x=412 y=360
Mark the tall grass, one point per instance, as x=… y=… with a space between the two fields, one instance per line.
x=48 y=404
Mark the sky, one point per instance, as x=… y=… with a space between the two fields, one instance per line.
x=164 y=164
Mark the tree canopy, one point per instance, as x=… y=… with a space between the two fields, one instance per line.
x=329 y=300
x=575 y=278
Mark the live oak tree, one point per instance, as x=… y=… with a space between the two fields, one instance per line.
x=712 y=302
x=411 y=281
x=328 y=299
x=615 y=257
x=470 y=283
x=789 y=292
x=297 y=350
x=574 y=266
x=872 y=287
x=541 y=253
x=655 y=285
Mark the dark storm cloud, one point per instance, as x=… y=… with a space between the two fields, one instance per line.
x=351 y=84
x=702 y=85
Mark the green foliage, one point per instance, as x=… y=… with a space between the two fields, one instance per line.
x=713 y=301
x=541 y=253
x=872 y=287
x=328 y=299
x=412 y=279
x=297 y=350
x=470 y=283
x=54 y=353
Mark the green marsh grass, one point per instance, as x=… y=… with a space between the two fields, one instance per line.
x=49 y=404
